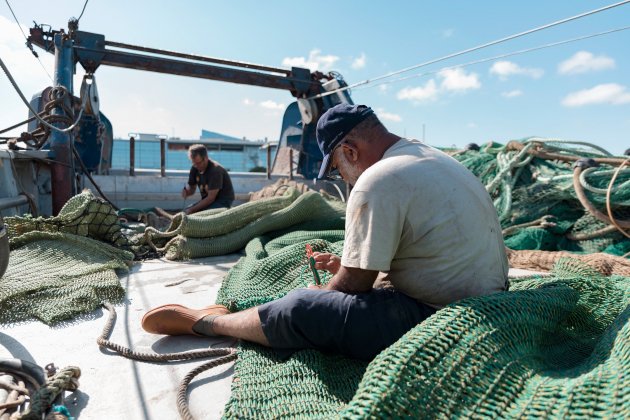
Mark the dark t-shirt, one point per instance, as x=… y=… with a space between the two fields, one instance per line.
x=215 y=177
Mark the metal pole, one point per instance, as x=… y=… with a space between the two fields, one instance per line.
x=268 y=161
x=62 y=172
x=162 y=157
x=291 y=163
x=132 y=156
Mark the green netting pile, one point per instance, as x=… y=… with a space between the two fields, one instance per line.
x=555 y=346
x=54 y=276
x=64 y=266
x=213 y=233
x=536 y=191
x=83 y=215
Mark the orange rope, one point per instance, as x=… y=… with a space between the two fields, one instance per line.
x=608 y=192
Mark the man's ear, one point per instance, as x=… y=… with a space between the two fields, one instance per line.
x=350 y=152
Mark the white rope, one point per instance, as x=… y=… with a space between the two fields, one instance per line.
x=561 y=141
x=589 y=187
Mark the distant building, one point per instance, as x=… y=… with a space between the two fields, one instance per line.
x=234 y=154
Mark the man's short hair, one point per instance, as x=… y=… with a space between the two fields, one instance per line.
x=371 y=123
x=197 y=150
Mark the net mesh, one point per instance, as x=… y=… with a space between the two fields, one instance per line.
x=211 y=233
x=553 y=346
x=55 y=276
x=532 y=185
x=83 y=215
x=63 y=266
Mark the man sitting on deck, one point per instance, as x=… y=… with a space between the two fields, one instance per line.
x=416 y=219
x=215 y=185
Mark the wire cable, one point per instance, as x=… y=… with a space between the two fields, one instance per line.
x=52 y=127
x=28 y=43
x=496 y=57
x=17 y=125
x=469 y=50
x=81 y=15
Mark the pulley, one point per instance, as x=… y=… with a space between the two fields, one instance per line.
x=308 y=110
x=89 y=95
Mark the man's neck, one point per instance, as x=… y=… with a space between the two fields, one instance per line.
x=390 y=140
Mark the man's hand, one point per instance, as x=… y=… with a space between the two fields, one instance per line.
x=327 y=261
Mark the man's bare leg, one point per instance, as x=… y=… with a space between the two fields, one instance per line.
x=245 y=325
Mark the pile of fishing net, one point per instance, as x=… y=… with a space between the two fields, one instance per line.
x=63 y=266
x=554 y=346
x=220 y=232
x=553 y=195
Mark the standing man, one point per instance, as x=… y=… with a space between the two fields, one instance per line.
x=215 y=185
x=415 y=217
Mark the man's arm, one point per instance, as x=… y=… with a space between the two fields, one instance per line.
x=352 y=280
x=188 y=190
x=204 y=203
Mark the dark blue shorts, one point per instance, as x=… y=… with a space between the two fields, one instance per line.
x=359 y=326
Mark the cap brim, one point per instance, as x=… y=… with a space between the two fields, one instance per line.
x=323 y=170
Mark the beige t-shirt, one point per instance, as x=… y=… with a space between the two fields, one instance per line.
x=428 y=224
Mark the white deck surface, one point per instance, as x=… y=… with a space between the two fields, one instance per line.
x=112 y=387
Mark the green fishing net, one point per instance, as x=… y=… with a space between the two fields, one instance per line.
x=526 y=188
x=54 y=277
x=212 y=233
x=556 y=346
x=64 y=266
x=83 y=215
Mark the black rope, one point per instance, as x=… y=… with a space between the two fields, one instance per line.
x=81 y=15
x=87 y=173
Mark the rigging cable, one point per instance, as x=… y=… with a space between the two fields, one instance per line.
x=496 y=57
x=479 y=47
x=81 y=15
x=28 y=43
x=35 y=113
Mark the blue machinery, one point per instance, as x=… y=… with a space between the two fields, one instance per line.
x=91 y=51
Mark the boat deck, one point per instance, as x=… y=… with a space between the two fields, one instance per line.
x=118 y=388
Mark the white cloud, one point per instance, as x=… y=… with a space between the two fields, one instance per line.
x=315 y=61
x=274 y=106
x=388 y=116
x=458 y=80
x=471 y=125
x=425 y=93
x=248 y=102
x=359 y=62
x=384 y=88
x=584 y=61
x=512 y=93
x=608 y=93
x=447 y=33
x=503 y=69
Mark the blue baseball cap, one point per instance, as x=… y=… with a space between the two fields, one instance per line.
x=333 y=126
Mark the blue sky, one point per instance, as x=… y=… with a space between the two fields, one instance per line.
x=578 y=91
